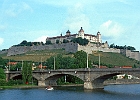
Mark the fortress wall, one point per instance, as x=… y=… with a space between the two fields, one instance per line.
x=18 y=50
x=92 y=47
x=69 y=47
x=72 y=47
x=39 y=47
x=131 y=54
x=110 y=50
x=134 y=55
x=3 y=51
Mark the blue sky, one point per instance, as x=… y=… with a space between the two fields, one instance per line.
x=33 y=20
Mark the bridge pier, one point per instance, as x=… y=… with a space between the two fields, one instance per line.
x=41 y=83
x=93 y=85
x=7 y=75
x=88 y=85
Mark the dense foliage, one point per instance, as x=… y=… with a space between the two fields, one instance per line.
x=16 y=67
x=48 y=42
x=25 y=43
x=27 y=72
x=2 y=74
x=65 y=41
x=69 y=79
x=57 y=41
x=2 y=77
x=79 y=60
x=122 y=47
x=2 y=62
x=60 y=62
x=80 y=41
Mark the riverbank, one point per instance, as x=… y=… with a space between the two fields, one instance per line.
x=35 y=86
x=21 y=87
x=108 y=82
x=122 y=81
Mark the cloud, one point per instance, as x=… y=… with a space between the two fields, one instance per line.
x=25 y=6
x=76 y=22
x=76 y=18
x=111 y=29
x=36 y=36
x=64 y=3
x=16 y=8
x=1 y=41
x=41 y=39
x=3 y=27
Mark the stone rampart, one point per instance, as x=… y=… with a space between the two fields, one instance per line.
x=122 y=81
x=15 y=50
x=93 y=47
x=3 y=51
x=72 y=47
x=131 y=54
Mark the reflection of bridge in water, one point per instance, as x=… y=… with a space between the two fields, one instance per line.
x=92 y=78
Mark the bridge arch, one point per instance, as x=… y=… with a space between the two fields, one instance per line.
x=99 y=79
x=52 y=79
x=93 y=78
x=15 y=76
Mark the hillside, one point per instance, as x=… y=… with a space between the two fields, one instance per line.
x=114 y=59
x=35 y=56
x=109 y=59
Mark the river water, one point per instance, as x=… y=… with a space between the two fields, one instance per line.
x=111 y=92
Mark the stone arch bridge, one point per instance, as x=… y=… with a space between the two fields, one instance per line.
x=92 y=78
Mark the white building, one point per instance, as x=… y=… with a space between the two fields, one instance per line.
x=69 y=37
x=128 y=77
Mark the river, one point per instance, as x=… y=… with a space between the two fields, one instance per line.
x=111 y=92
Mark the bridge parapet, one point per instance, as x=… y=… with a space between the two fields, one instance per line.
x=92 y=77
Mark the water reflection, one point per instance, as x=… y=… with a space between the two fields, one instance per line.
x=112 y=92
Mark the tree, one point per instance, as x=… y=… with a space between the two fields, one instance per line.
x=80 y=41
x=65 y=41
x=112 y=45
x=81 y=59
x=16 y=67
x=131 y=48
x=50 y=63
x=27 y=72
x=57 y=41
x=2 y=77
x=2 y=74
x=48 y=42
x=24 y=42
x=2 y=62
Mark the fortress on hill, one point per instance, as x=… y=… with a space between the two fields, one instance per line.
x=95 y=44
x=69 y=37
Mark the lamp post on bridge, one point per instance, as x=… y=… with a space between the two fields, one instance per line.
x=54 y=63
x=99 y=58
x=9 y=64
x=22 y=65
x=87 y=60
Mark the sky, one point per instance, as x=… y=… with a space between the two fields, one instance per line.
x=118 y=21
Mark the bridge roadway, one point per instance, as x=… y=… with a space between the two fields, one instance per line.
x=92 y=78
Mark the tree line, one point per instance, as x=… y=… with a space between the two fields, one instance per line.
x=122 y=47
x=79 y=60
x=25 y=43
x=78 y=40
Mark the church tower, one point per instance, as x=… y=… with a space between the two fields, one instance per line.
x=68 y=33
x=81 y=33
x=99 y=37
